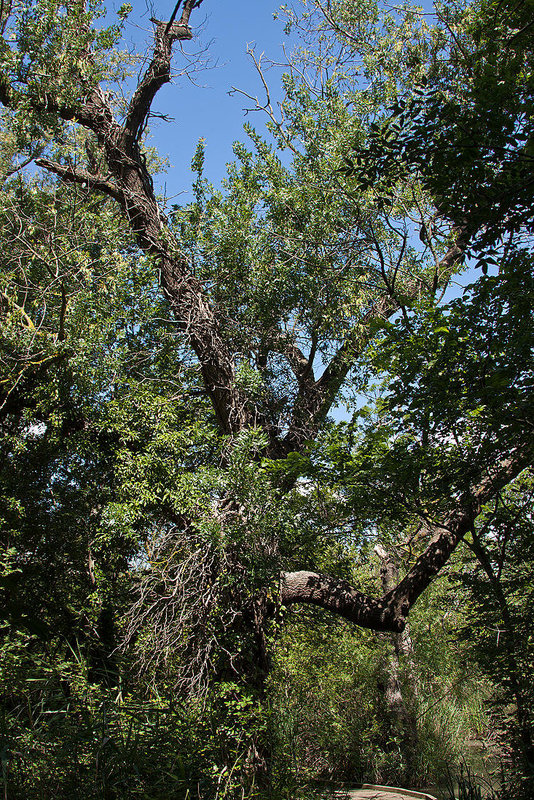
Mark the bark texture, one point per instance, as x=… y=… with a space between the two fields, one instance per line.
x=389 y=612
x=124 y=177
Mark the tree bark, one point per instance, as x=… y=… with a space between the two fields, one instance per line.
x=389 y=612
x=128 y=182
x=403 y=715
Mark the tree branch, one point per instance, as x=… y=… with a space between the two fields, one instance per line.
x=390 y=611
x=315 y=397
x=131 y=186
x=447 y=535
x=82 y=177
x=339 y=597
x=158 y=71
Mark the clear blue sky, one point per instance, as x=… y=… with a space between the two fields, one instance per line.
x=206 y=109
x=225 y=28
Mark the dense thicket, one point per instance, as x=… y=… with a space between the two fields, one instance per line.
x=206 y=575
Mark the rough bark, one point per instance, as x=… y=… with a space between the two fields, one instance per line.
x=389 y=612
x=128 y=182
x=339 y=597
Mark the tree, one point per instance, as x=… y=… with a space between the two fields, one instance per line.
x=293 y=270
x=465 y=128
x=501 y=593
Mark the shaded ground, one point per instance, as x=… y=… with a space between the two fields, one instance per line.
x=376 y=794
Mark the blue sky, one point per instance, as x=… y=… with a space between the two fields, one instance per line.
x=206 y=109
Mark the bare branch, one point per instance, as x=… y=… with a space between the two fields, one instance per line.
x=18 y=167
x=158 y=71
x=179 y=611
x=267 y=106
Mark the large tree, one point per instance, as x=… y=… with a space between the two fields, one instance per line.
x=279 y=290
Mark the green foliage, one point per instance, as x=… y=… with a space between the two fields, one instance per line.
x=327 y=721
x=468 y=786
x=329 y=716
x=465 y=128
x=63 y=735
x=498 y=619
x=142 y=545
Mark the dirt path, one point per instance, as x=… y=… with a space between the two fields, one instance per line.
x=380 y=793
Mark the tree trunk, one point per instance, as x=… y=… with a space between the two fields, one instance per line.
x=402 y=714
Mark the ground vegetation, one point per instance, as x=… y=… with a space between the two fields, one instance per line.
x=193 y=540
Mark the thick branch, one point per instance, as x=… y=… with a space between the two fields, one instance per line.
x=390 y=612
x=130 y=184
x=454 y=256
x=339 y=597
x=83 y=112
x=158 y=71
x=447 y=535
x=301 y=366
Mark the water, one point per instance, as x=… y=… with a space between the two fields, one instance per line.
x=482 y=767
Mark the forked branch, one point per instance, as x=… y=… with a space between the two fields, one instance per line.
x=389 y=612
x=315 y=397
x=82 y=177
x=158 y=71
